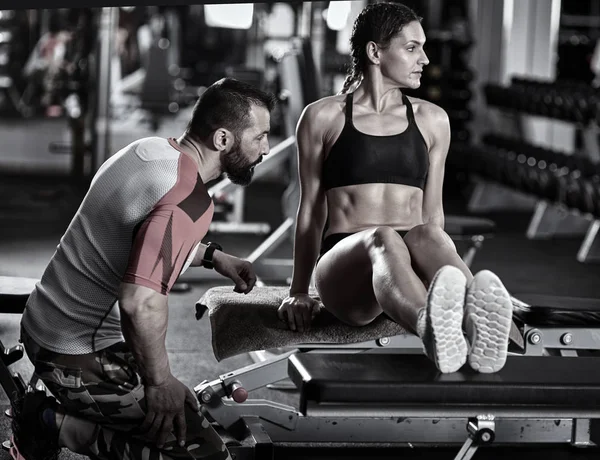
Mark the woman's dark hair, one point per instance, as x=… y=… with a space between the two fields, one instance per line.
x=226 y=104
x=377 y=22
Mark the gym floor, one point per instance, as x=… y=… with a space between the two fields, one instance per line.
x=35 y=212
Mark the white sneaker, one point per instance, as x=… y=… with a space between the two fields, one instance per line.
x=440 y=327
x=488 y=317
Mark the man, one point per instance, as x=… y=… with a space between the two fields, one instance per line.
x=138 y=228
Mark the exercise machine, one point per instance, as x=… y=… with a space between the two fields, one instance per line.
x=378 y=388
x=382 y=390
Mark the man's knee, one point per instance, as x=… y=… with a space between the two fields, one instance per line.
x=428 y=235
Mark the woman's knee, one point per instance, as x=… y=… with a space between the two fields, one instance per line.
x=386 y=239
x=428 y=235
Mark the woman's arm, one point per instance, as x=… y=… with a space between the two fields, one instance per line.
x=312 y=211
x=438 y=127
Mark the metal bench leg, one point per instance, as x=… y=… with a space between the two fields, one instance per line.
x=469 y=255
x=482 y=430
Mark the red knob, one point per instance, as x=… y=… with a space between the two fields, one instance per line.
x=238 y=393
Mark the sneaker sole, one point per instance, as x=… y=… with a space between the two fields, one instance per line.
x=488 y=313
x=445 y=307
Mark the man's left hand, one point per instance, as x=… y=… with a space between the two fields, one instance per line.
x=238 y=270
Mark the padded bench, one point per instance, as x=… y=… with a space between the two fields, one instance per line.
x=525 y=385
x=402 y=399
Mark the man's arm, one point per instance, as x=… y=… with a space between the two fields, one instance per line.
x=144 y=317
x=438 y=125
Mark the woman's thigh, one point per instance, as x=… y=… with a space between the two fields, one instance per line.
x=344 y=281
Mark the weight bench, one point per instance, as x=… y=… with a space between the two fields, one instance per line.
x=548 y=339
x=404 y=399
x=233 y=315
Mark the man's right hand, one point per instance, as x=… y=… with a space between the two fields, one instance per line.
x=165 y=404
x=298 y=311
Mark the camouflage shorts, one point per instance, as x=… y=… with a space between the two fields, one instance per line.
x=103 y=397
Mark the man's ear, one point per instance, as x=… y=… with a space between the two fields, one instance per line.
x=372 y=50
x=222 y=139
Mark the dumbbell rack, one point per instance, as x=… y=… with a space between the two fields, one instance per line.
x=572 y=208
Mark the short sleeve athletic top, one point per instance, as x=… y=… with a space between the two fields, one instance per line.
x=141 y=222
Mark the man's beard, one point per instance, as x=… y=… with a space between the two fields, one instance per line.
x=236 y=167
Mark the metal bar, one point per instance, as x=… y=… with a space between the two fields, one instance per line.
x=590 y=248
x=258 y=375
x=581 y=433
x=107 y=34
x=315 y=409
x=430 y=430
x=272 y=241
x=467 y=450
x=567 y=338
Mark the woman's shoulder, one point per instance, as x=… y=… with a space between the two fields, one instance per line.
x=325 y=110
x=329 y=104
x=428 y=111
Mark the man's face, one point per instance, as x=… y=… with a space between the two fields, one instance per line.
x=249 y=147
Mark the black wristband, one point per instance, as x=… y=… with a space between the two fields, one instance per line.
x=207 y=259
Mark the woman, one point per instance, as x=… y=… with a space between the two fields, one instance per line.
x=371 y=164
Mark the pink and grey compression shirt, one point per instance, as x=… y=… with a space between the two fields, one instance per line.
x=141 y=222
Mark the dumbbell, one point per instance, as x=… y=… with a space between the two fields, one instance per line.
x=548 y=185
x=491 y=161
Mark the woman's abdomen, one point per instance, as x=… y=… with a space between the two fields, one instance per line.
x=359 y=207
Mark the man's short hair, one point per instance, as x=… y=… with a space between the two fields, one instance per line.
x=226 y=104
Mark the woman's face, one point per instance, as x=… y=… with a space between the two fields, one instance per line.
x=402 y=62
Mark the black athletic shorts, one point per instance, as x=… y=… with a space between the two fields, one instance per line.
x=331 y=240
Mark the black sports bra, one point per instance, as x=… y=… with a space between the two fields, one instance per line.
x=358 y=158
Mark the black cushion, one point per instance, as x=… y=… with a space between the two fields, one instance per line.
x=547 y=310
x=468 y=226
x=550 y=382
x=14 y=292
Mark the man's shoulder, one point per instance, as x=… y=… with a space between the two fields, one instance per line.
x=155 y=148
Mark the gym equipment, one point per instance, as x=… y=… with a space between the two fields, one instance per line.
x=446 y=404
x=575 y=102
x=565 y=188
x=298 y=87
x=14 y=293
x=382 y=390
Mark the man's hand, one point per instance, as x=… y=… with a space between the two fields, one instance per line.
x=299 y=310
x=165 y=410
x=238 y=270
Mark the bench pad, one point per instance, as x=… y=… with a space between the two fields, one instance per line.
x=413 y=380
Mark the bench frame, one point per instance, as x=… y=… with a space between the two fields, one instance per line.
x=269 y=422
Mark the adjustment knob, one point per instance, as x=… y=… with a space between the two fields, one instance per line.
x=238 y=393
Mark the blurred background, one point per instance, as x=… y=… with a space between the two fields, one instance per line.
x=519 y=80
